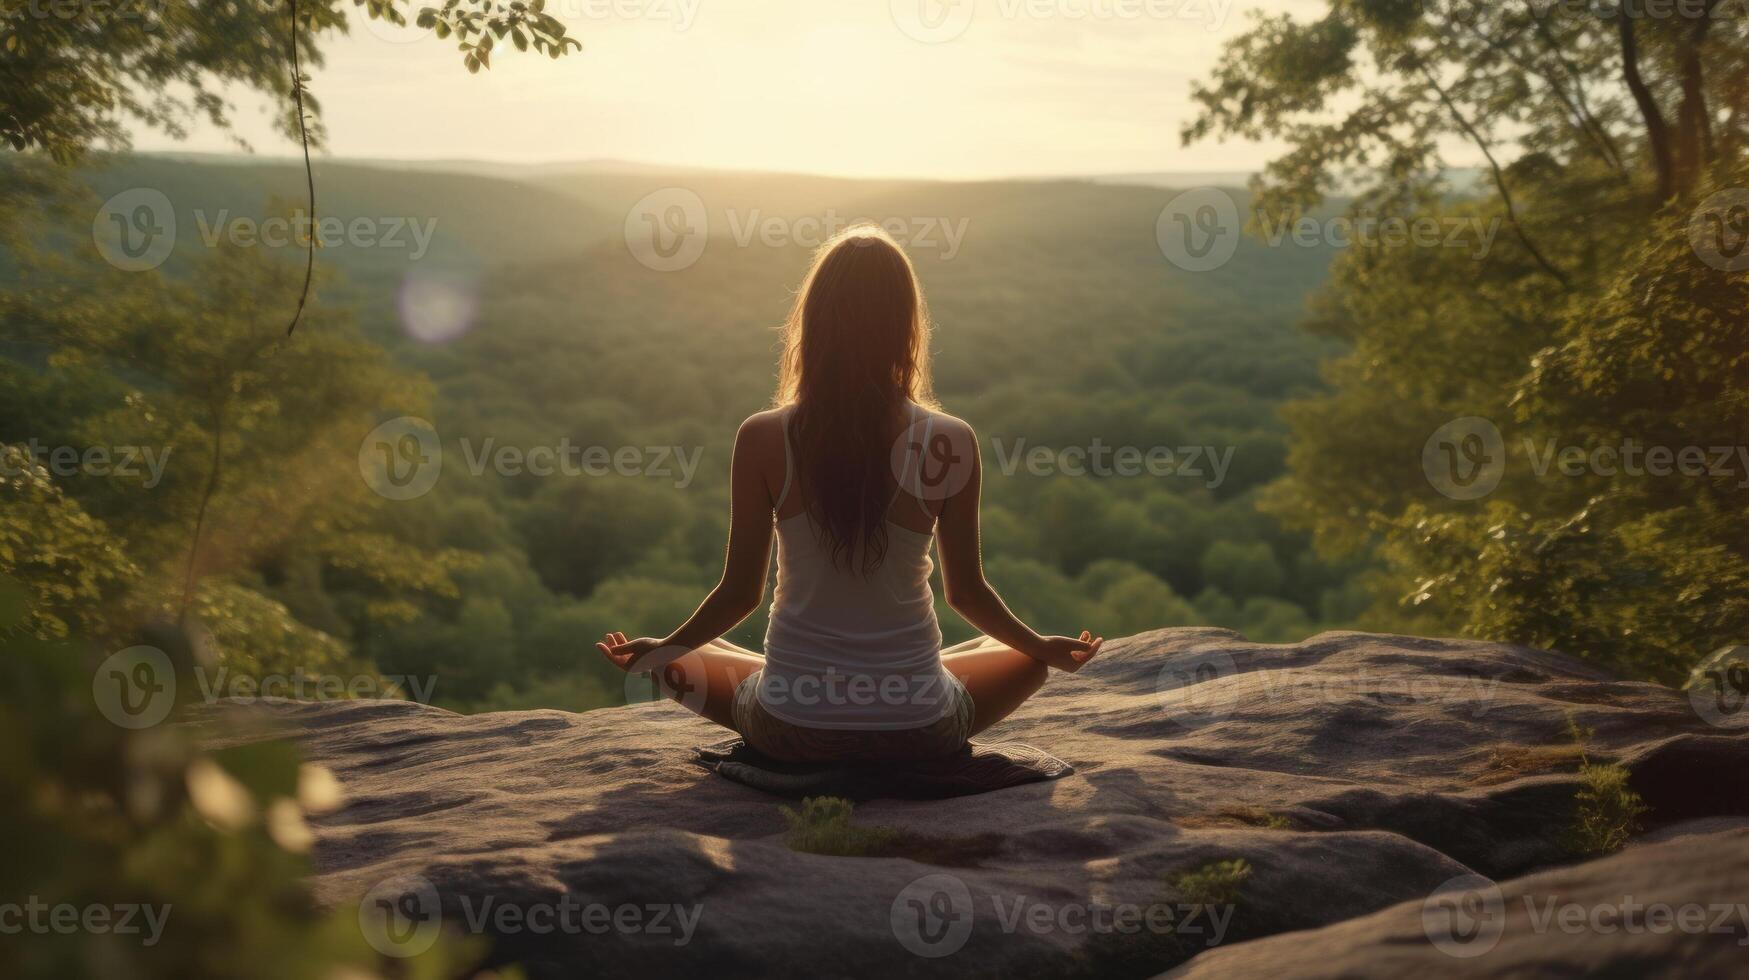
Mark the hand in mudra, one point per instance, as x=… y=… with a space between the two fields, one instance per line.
x=624 y=653
x=1067 y=653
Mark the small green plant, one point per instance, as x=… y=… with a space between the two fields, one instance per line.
x=1606 y=812
x=1242 y=816
x=823 y=826
x=1213 y=884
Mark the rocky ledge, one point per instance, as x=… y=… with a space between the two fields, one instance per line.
x=1353 y=805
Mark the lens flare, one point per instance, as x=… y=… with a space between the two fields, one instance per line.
x=437 y=308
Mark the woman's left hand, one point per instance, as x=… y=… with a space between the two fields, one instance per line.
x=624 y=653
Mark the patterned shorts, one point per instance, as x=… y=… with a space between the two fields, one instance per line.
x=787 y=742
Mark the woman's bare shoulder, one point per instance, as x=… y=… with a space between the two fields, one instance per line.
x=762 y=432
x=951 y=424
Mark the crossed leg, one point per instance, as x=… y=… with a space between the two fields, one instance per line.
x=998 y=678
x=716 y=669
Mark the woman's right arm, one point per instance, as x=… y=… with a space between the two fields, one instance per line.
x=962 y=571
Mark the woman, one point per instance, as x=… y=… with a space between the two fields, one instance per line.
x=856 y=472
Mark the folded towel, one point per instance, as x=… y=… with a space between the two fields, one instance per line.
x=980 y=768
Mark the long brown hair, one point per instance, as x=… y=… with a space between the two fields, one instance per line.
x=855 y=348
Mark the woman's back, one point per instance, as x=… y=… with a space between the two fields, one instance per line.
x=849 y=647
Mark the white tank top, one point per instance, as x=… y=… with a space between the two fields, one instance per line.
x=845 y=651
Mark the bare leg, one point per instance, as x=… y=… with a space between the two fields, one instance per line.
x=705 y=680
x=971 y=644
x=998 y=678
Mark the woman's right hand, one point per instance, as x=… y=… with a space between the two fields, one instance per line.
x=1066 y=652
x=624 y=653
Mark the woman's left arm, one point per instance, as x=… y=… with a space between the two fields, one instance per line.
x=742 y=587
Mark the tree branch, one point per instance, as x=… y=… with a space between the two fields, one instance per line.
x=1657 y=132
x=1499 y=179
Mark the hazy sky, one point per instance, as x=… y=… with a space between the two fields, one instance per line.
x=938 y=88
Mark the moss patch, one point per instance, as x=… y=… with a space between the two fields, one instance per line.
x=823 y=826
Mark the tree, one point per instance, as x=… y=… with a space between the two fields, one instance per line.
x=1600 y=315
x=72 y=76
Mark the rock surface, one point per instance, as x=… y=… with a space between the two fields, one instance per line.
x=1356 y=774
